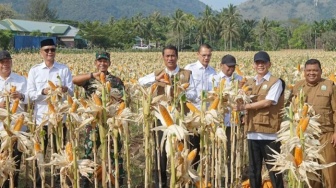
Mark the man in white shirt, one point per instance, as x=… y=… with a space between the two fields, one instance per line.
x=201 y=72
x=263 y=119
x=38 y=77
x=10 y=79
x=170 y=57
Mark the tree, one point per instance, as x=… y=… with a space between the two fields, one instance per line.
x=230 y=24
x=302 y=37
x=262 y=31
x=246 y=34
x=6 y=37
x=178 y=24
x=207 y=22
x=39 y=10
x=6 y=11
x=96 y=33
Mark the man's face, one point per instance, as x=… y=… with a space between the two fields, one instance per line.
x=170 y=59
x=204 y=56
x=5 y=66
x=48 y=53
x=102 y=64
x=227 y=70
x=261 y=67
x=312 y=73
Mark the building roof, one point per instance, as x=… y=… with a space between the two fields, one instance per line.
x=43 y=27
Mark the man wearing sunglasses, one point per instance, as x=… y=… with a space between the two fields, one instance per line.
x=38 y=87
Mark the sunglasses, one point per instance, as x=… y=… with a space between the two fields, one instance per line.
x=49 y=50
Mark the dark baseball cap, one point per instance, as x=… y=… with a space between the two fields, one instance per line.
x=47 y=42
x=262 y=56
x=229 y=60
x=102 y=55
x=4 y=55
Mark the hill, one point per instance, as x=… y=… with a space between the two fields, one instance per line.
x=81 y=10
x=306 y=10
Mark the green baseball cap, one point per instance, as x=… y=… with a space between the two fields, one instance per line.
x=102 y=55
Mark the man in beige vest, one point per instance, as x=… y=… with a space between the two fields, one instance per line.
x=321 y=94
x=263 y=118
x=170 y=56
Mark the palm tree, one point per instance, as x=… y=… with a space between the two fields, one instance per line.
x=207 y=22
x=138 y=22
x=230 y=19
x=246 y=33
x=178 y=24
x=262 y=31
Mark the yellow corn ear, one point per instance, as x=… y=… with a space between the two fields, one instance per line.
x=192 y=155
x=153 y=88
x=298 y=67
x=51 y=107
x=304 y=110
x=166 y=78
x=15 y=105
x=214 y=104
x=244 y=80
x=133 y=81
x=246 y=184
x=97 y=100
x=121 y=107
x=165 y=115
x=99 y=176
x=238 y=71
x=108 y=86
x=83 y=102
x=245 y=88
x=222 y=83
x=192 y=108
x=170 y=108
x=102 y=77
x=267 y=184
x=68 y=151
x=298 y=155
x=198 y=184
x=37 y=147
x=73 y=107
x=290 y=86
x=52 y=85
x=19 y=122
x=180 y=146
x=302 y=125
x=12 y=89
x=332 y=77
x=185 y=86
x=70 y=101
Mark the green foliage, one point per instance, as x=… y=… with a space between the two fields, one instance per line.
x=328 y=40
x=302 y=37
x=36 y=33
x=6 y=38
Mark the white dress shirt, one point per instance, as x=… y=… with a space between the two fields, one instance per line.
x=21 y=86
x=272 y=95
x=229 y=79
x=201 y=77
x=149 y=79
x=38 y=80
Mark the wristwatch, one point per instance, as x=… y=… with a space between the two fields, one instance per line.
x=22 y=98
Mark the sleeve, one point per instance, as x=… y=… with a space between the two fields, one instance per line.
x=33 y=92
x=147 y=80
x=333 y=106
x=275 y=92
x=68 y=81
x=191 y=92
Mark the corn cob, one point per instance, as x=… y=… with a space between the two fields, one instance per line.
x=185 y=86
x=302 y=125
x=97 y=100
x=12 y=89
x=99 y=175
x=238 y=71
x=68 y=151
x=192 y=155
x=19 y=123
x=15 y=105
x=198 y=184
x=298 y=67
x=192 y=108
x=222 y=83
x=304 y=110
x=37 y=147
x=108 y=86
x=214 y=104
x=83 y=102
x=121 y=107
x=298 y=156
x=102 y=77
x=165 y=115
x=52 y=85
x=166 y=78
x=267 y=184
x=180 y=146
x=73 y=107
x=51 y=107
x=153 y=88
x=245 y=88
x=70 y=101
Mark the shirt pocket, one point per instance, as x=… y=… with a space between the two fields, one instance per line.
x=262 y=118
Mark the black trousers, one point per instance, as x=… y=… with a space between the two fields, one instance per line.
x=259 y=150
x=160 y=157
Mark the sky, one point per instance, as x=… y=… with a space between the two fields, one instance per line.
x=219 y=4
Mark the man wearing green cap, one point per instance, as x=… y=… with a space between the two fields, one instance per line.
x=89 y=82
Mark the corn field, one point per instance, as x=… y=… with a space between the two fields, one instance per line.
x=134 y=120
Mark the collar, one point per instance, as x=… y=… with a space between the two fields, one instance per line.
x=55 y=65
x=266 y=77
x=9 y=77
x=177 y=69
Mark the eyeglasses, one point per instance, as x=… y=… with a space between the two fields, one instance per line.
x=49 y=50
